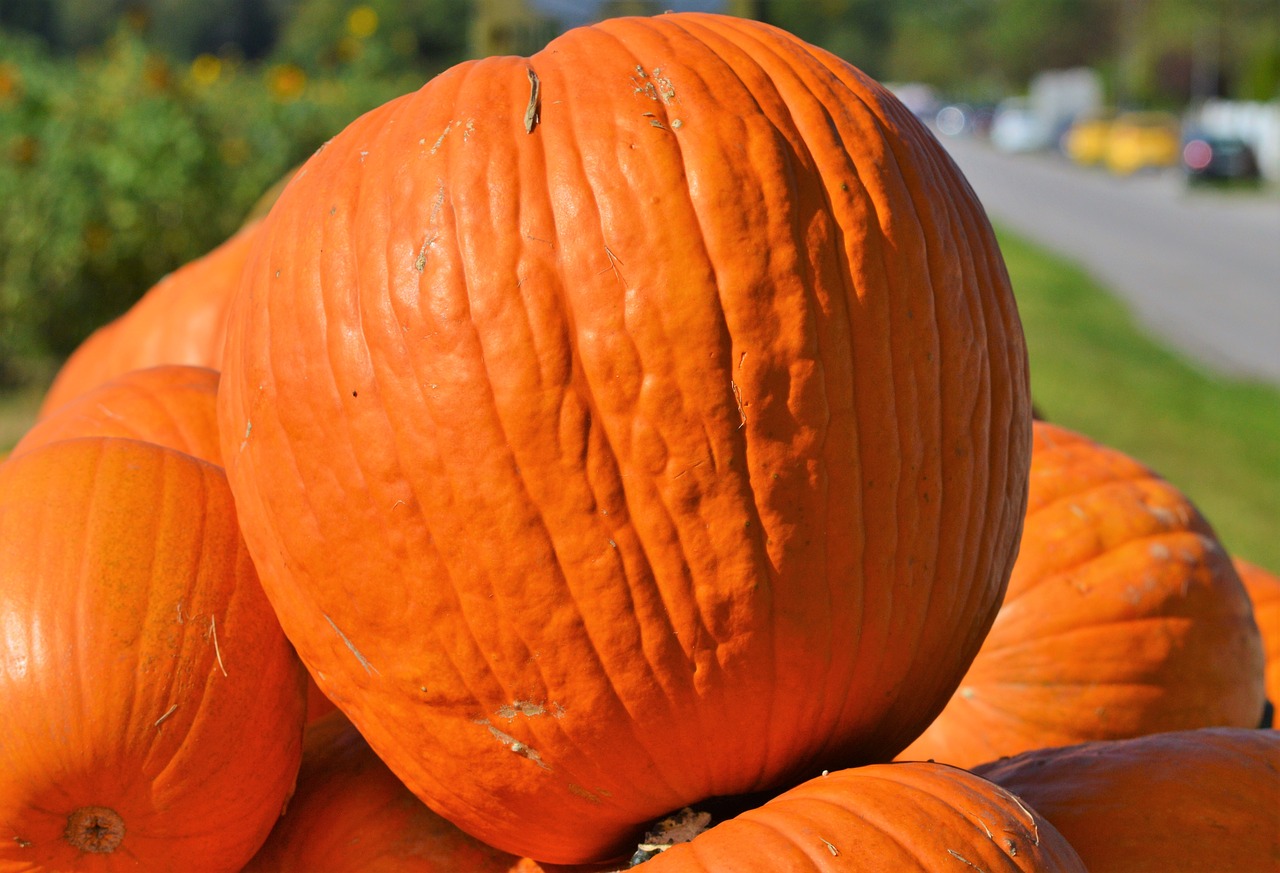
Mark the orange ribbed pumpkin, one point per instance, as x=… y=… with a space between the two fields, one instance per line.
x=180 y=320
x=173 y=406
x=587 y=409
x=350 y=813
x=1202 y=801
x=1264 y=593
x=883 y=818
x=1123 y=617
x=150 y=706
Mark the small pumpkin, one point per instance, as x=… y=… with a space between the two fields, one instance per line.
x=349 y=814
x=581 y=406
x=1198 y=801
x=1124 y=617
x=151 y=708
x=180 y=320
x=171 y=405
x=1264 y=593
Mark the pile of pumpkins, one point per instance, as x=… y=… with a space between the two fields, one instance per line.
x=618 y=456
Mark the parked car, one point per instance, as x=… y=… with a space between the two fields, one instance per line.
x=1143 y=141
x=1016 y=127
x=1085 y=141
x=1207 y=158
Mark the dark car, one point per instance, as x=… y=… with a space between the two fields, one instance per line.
x=1219 y=159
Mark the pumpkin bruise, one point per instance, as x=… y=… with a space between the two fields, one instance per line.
x=882 y=818
x=1200 y=801
x=180 y=320
x=173 y=406
x=600 y=469
x=150 y=707
x=1124 y=616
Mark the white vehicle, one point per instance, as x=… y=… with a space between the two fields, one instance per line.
x=1017 y=127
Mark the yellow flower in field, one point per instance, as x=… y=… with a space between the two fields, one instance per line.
x=206 y=69
x=286 y=81
x=362 y=22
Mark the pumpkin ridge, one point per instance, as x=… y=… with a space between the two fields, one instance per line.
x=789 y=86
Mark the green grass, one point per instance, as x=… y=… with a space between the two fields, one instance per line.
x=1094 y=370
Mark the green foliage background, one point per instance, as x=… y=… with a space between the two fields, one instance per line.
x=121 y=162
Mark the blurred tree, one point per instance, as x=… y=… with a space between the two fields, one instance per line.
x=856 y=30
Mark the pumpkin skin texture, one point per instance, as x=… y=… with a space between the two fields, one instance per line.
x=884 y=817
x=151 y=708
x=1124 y=617
x=350 y=814
x=180 y=320
x=1200 y=801
x=172 y=405
x=569 y=432
x=1263 y=587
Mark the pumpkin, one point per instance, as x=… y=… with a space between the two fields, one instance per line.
x=882 y=817
x=172 y=405
x=586 y=409
x=349 y=814
x=1124 y=617
x=1198 y=801
x=1263 y=587
x=150 y=706
x=180 y=320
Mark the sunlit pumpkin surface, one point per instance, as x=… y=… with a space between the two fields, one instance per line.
x=639 y=422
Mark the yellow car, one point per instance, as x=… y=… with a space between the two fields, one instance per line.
x=1142 y=140
x=1085 y=141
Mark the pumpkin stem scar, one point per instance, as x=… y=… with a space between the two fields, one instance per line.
x=531 y=118
x=364 y=662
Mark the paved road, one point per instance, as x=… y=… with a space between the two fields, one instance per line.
x=1201 y=269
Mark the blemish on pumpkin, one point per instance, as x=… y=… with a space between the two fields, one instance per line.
x=1160 y=552
x=529 y=709
x=961 y=858
x=516 y=746
x=742 y=407
x=170 y=711
x=967 y=692
x=213 y=634
x=22 y=844
x=579 y=791
x=364 y=662
x=531 y=112
x=440 y=141
x=835 y=853
x=1078 y=512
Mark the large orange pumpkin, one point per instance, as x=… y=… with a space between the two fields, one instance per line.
x=639 y=422
x=883 y=818
x=350 y=814
x=173 y=406
x=181 y=320
x=1124 y=616
x=1263 y=587
x=1202 y=801
x=150 y=706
